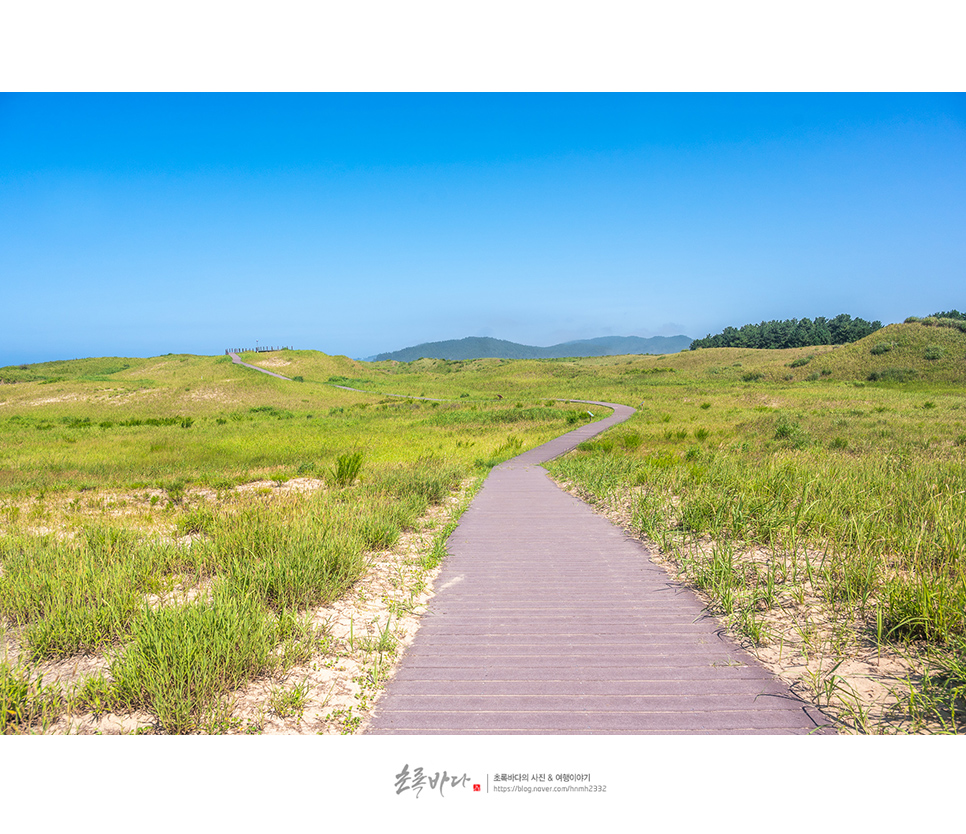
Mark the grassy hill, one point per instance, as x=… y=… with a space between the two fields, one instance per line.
x=117 y=387
x=115 y=422
x=904 y=353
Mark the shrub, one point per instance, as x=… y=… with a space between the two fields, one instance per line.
x=928 y=606
x=933 y=352
x=175 y=490
x=751 y=376
x=802 y=360
x=881 y=347
x=951 y=314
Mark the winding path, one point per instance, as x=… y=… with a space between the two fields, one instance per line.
x=547 y=618
x=237 y=360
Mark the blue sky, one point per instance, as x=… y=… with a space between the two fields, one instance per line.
x=142 y=224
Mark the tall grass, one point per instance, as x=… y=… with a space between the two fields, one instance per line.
x=25 y=702
x=940 y=697
x=284 y=559
x=183 y=659
x=900 y=519
x=186 y=623
x=81 y=595
x=347 y=468
x=859 y=487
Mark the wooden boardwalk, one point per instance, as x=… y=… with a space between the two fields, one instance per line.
x=549 y=619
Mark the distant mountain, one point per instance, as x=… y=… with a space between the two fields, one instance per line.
x=482 y=347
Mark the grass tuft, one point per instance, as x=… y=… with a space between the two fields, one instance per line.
x=25 y=703
x=183 y=659
x=347 y=468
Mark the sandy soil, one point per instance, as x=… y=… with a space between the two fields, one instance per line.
x=272 y=362
x=382 y=611
x=368 y=630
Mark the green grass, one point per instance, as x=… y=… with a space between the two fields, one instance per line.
x=906 y=513
x=26 y=704
x=857 y=491
x=110 y=546
x=940 y=697
x=347 y=468
x=289 y=702
x=196 y=427
x=193 y=623
x=183 y=659
x=82 y=595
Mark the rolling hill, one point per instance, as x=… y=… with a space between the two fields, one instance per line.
x=481 y=347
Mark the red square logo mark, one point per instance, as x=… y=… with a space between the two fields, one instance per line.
x=476 y=787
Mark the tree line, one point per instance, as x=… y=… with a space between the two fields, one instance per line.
x=791 y=333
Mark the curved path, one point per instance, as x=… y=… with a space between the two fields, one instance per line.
x=237 y=360
x=547 y=618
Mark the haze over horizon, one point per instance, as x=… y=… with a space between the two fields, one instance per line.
x=359 y=224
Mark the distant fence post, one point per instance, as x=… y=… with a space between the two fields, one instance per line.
x=257 y=349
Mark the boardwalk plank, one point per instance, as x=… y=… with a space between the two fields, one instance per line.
x=548 y=619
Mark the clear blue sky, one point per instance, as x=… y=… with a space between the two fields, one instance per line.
x=136 y=225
